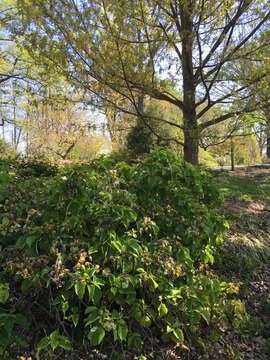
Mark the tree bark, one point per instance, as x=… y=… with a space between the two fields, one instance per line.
x=191 y=146
x=232 y=154
x=268 y=146
x=191 y=131
x=65 y=154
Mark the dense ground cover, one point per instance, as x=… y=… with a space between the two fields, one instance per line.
x=114 y=261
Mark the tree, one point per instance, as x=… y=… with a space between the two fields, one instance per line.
x=60 y=128
x=6 y=151
x=19 y=75
x=141 y=139
x=146 y=47
x=246 y=68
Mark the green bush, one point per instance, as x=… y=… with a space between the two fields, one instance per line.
x=121 y=154
x=28 y=168
x=98 y=253
x=140 y=139
x=7 y=151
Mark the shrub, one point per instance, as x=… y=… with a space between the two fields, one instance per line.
x=97 y=253
x=7 y=151
x=120 y=154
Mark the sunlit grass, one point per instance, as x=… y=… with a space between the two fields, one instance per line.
x=245 y=187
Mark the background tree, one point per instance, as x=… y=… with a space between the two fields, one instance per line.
x=6 y=150
x=141 y=138
x=104 y=44
x=246 y=68
x=60 y=129
x=23 y=79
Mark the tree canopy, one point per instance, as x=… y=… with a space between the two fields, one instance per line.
x=150 y=48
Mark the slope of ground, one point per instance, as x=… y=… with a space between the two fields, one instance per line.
x=246 y=257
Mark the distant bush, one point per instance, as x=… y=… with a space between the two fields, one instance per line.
x=28 y=168
x=100 y=253
x=7 y=151
x=120 y=154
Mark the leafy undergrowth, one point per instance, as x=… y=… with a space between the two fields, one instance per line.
x=245 y=256
x=113 y=261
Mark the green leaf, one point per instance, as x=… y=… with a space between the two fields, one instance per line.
x=195 y=317
x=113 y=290
x=153 y=283
x=96 y=335
x=162 y=310
x=236 y=323
x=44 y=342
x=91 y=290
x=122 y=330
x=125 y=284
x=75 y=318
x=134 y=340
x=90 y=309
x=95 y=294
x=146 y=321
x=30 y=240
x=115 y=334
x=117 y=245
x=4 y=292
x=80 y=289
x=20 y=243
x=205 y=314
x=64 y=342
x=54 y=339
x=92 y=317
x=57 y=340
x=65 y=306
x=26 y=284
x=179 y=335
x=198 y=342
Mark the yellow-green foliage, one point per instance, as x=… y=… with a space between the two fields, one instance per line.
x=246 y=151
x=6 y=151
x=207 y=159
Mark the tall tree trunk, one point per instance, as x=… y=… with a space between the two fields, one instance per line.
x=3 y=130
x=268 y=137
x=267 y=131
x=191 y=133
x=232 y=154
x=261 y=150
x=140 y=103
x=191 y=148
x=268 y=146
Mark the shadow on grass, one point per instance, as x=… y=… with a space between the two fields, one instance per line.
x=247 y=186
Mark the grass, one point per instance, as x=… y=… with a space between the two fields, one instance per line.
x=245 y=185
x=247 y=199
x=245 y=255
